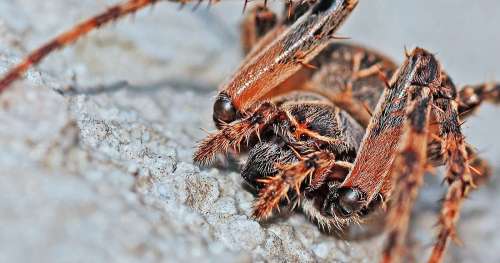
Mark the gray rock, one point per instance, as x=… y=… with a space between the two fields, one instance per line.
x=104 y=172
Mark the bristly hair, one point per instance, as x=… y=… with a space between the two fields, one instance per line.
x=290 y=178
x=232 y=135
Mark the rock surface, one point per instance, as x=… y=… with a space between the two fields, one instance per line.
x=103 y=172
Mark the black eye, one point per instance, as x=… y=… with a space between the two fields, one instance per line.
x=224 y=109
x=344 y=202
x=293 y=128
x=350 y=201
x=304 y=137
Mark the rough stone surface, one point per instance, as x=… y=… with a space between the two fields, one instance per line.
x=104 y=172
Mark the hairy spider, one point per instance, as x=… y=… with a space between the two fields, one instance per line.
x=324 y=127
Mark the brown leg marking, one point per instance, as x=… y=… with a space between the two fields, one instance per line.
x=380 y=144
x=278 y=61
x=407 y=173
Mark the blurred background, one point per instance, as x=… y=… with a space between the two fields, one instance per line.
x=104 y=173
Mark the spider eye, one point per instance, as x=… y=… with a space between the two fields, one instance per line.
x=350 y=201
x=224 y=109
x=304 y=137
x=293 y=128
x=344 y=202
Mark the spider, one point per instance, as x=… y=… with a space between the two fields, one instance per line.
x=324 y=126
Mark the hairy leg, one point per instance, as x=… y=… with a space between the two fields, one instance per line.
x=459 y=176
x=69 y=37
x=369 y=177
x=258 y=22
x=348 y=75
x=282 y=58
x=231 y=136
x=290 y=177
x=407 y=173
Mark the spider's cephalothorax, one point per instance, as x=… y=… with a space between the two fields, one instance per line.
x=322 y=124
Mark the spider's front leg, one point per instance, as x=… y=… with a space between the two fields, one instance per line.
x=393 y=155
x=265 y=69
x=406 y=172
x=370 y=175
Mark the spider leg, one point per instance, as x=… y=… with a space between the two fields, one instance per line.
x=461 y=176
x=370 y=176
x=348 y=75
x=407 y=172
x=471 y=97
x=455 y=154
x=479 y=167
x=261 y=26
x=69 y=37
x=258 y=22
x=293 y=49
x=290 y=178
